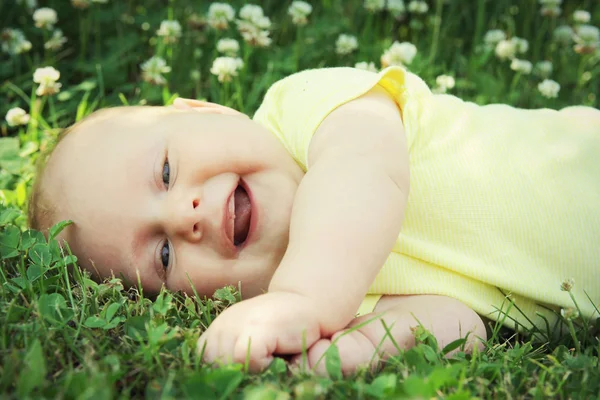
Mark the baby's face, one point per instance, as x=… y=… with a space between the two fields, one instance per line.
x=156 y=191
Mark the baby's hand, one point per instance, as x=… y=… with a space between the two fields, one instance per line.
x=355 y=347
x=256 y=329
x=366 y=341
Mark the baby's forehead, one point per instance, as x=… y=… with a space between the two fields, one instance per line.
x=108 y=127
x=121 y=116
x=96 y=142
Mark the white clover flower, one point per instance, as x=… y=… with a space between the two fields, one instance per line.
x=567 y=285
x=17 y=116
x=56 y=42
x=255 y=14
x=549 y=88
x=45 y=18
x=152 y=70
x=195 y=75
x=581 y=16
x=418 y=7
x=522 y=45
x=374 y=5
x=263 y=22
x=493 y=36
x=521 y=66
x=551 y=11
x=23 y=47
x=569 y=313
x=229 y=47
x=299 y=11
x=196 y=22
x=226 y=67
x=587 y=33
x=543 y=68
x=587 y=39
x=346 y=44
x=253 y=35
x=47 y=78
x=220 y=15
x=396 y=7
x=445 y=82
x=564 y=34
x=506 y=49
x=367 y=66
x=14 y=42
x=254 y=26
x=257 y=38
x=81 y=4
x=550 y=8
x=399 y=54
x=170 y=31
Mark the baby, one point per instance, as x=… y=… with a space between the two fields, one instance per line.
x=351 y=196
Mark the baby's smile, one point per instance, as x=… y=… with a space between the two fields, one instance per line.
x=242 y=214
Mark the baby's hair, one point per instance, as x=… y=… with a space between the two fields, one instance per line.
x=38 y=207
x=41 y=209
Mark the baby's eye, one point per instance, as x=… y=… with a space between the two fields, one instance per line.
x=166 y=173
x=164 y=254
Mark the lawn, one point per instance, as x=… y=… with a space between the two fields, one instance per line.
x=63 y=335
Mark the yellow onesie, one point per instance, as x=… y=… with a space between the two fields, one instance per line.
x=502 y=200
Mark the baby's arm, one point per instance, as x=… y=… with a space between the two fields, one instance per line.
x=345 y=219
x=348 y=208
x=446 y=318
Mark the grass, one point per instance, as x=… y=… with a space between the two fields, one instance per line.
x=62 y=335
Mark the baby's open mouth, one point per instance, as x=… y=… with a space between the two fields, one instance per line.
x=243 y=212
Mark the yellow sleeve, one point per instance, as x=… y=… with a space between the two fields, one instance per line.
x=294 y=107
x=368 y=304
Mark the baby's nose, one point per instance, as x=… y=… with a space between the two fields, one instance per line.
x=185 y=220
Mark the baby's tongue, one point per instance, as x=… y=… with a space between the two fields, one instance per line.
x=242 y=215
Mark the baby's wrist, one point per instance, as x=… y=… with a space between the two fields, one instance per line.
x=300 y=304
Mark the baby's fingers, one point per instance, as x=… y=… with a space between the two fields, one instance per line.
x=354 y=348
x=216 y=347
x=254 y=350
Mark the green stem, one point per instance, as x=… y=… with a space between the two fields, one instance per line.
x=515 y=80
x=297 y=49
x=52 y=111
x=537 y=46
x=238 y=94
x=247 y=50
x=100 y=80
x=224 y=95
x=82 y=37
x=170 y=55
x=436 y=29
x=97 y=39
x=29 y=61
x=45 y=33
x=580 y=68
x=574 y=336
x=38 y=114
x=17 y=61
x=366 y=33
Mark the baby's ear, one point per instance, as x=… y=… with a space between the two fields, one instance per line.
x=203 y=107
